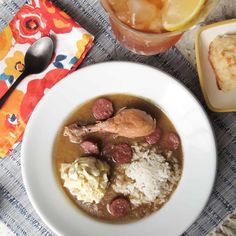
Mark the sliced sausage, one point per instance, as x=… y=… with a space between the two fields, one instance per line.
x=119 y=207
x=122 y=153
x=90 y=147
x=154 y=137
x=173 y=141
x=102 y=109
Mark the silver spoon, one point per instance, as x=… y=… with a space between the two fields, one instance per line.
x=37 y=59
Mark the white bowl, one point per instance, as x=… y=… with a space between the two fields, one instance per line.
x=182 y=108
x=216 y=99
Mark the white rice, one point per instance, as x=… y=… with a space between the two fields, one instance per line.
x=148 y=178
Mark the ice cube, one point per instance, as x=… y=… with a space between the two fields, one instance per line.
x=141 y=11
x=121 y=10
x=119 y=5
x=156 y=25
x=124 y=17
x=158 y=3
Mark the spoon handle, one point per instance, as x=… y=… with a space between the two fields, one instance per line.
x=4 y=98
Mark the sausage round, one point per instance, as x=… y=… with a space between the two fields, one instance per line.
x=173 y=141
x=119 y=207
x=122 y=153
x=102 y=109
x=90 y=147
x=154 y=137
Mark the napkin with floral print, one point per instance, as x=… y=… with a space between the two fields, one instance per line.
x=33 y=21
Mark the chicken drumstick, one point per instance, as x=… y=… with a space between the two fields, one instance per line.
x=130 y=123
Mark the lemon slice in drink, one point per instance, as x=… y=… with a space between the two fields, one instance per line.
x=178 y=13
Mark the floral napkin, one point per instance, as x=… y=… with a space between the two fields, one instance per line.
x=33 y=21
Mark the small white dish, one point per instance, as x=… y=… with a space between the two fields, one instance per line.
x=177 y=102
x=216 y=99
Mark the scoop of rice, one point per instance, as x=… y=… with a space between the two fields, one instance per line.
x=149 y=176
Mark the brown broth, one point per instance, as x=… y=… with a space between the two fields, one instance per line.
x=67 y=152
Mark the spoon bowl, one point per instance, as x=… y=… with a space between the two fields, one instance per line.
x=39 y=55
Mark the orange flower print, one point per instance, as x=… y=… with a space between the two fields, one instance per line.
x=29 y=24
x=11 y=124
x=5 y=42
x=60 y=21
x=15 y=64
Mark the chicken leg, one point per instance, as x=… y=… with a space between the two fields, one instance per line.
x=130 y=123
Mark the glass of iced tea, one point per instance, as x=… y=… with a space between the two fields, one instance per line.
x=149 y=27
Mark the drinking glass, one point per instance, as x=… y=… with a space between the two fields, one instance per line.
x=146 y=43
